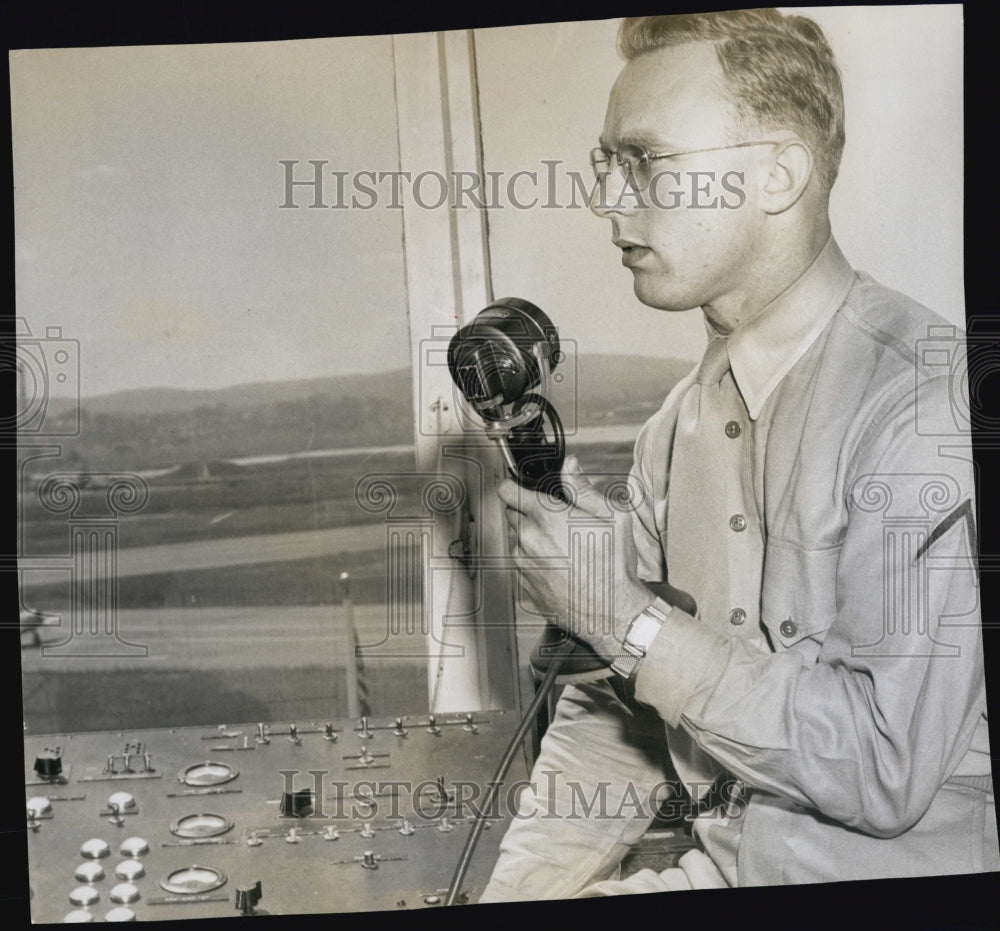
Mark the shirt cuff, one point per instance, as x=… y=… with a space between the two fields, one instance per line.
x=675 y=663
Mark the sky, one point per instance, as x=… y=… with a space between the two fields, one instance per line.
x=148 y=185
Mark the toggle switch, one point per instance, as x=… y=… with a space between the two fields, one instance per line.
x=331 y=833
x=328 y=733
x=367 y=831
x=432 y=727
x=445 y=825
x=262 y=735
x=407 y=828
x=363 y=731
x=399 y=730
x=293 y=734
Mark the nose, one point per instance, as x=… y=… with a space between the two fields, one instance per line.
x=612 y=195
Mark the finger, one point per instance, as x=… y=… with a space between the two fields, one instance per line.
x=509 y=492
x=585 y=495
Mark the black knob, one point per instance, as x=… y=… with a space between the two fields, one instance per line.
x=48 y=763
x=296 y=804
x=247 y=898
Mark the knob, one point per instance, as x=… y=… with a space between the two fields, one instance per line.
x=262 y=737
x=78 y=915
x=94 y=849
x=122 y=801
x=369 y=862
x=247 y=898
x=130 y=869
x=84 y=896
x=445 y=825
x=38 y=806
x=133 y=847
x=407 y=828
x=253 y=839
x=432 y=727
x=469 y=725
x=296 y=804
x=120 y=914
x=399 y=730
x=292 y=837
x=363 y=731
x=331 y=833
x=48 y=763
x=89 y=872
x=124 y=893
x=328 y=733
x=293 y=734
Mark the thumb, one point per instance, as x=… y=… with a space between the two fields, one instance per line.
x=585 y=495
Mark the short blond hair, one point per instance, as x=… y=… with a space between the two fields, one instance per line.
x=780 y=71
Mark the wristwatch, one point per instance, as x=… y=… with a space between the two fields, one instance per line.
x=638 y=637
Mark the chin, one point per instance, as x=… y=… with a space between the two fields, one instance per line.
x=661 y=298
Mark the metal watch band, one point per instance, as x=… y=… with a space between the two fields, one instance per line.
x=638 y=637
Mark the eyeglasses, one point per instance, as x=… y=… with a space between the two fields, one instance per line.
x=634 y=163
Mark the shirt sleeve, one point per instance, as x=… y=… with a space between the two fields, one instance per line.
x=868 y=731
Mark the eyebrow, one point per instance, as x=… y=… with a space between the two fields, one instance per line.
x=646 y=142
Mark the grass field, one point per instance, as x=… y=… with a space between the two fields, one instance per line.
x=185 y=685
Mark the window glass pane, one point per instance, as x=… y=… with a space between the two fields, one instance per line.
x=222 y=336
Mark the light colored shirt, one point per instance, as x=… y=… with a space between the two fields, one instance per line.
x=845 y=684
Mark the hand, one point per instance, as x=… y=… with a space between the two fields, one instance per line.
x=576 y=562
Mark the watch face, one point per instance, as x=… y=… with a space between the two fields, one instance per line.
x=642 y=631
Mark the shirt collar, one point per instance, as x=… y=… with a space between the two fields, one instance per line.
x=763 y=350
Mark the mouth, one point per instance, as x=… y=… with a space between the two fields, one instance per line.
x=632 y=252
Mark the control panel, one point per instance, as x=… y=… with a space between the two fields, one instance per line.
x=263 y=818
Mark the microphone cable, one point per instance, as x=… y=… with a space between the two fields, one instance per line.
x=559 y=657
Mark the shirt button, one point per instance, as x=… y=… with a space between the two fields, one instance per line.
x=737 y=616
x=738 y=522
x=733 y=429
x=788 y=628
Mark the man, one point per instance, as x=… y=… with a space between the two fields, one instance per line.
x=795 y=592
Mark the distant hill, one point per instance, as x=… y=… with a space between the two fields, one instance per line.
x=599 y=378
x=384 y=386
x=152 y=428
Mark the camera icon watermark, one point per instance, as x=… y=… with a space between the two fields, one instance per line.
x=47 y=372
x=967 y=362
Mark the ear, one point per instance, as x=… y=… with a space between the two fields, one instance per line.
x=790 y=168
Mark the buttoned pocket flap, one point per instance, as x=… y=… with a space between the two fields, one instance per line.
x=799 y=597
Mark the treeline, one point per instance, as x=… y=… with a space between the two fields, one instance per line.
x=217 y=431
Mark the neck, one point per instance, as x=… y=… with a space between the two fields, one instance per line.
x=779 y=264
